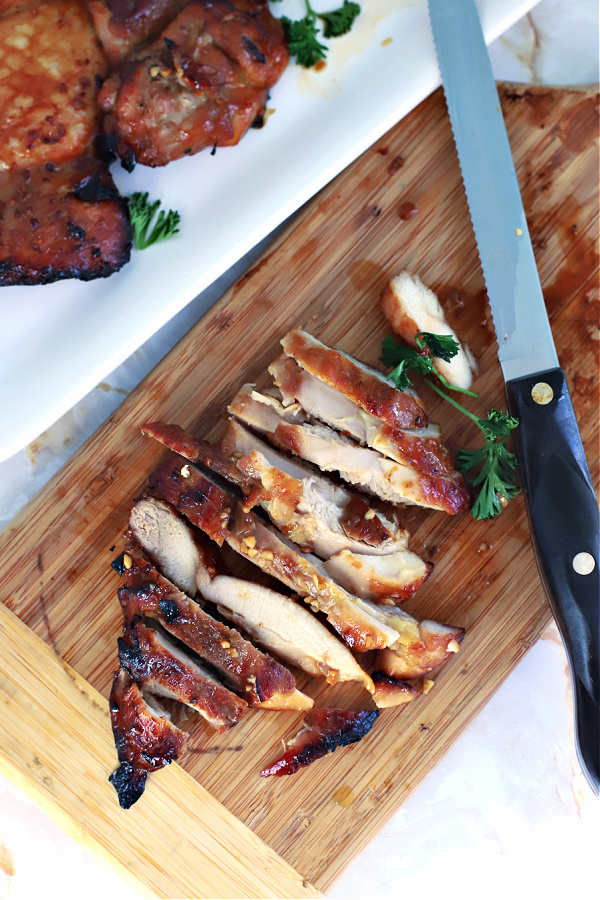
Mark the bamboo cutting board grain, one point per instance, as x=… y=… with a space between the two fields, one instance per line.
x=400 y=206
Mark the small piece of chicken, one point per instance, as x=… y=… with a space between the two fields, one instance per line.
x=359 y=622
x=276 y=622
x=50 y=61
x=421 y=448
x=201 y=83
x=145 y=738
x=124 y=26
x=364 y=386
x=60 y=221
x=259 y=679
x=383 y=579
x=323 y=731
x=333 y=452
x=412 y=308
x=149 y=656
x=422 y=647
x=394 y=691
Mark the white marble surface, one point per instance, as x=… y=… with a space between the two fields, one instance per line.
x=507 y=811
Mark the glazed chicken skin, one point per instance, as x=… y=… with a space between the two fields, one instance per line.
x=149 y=656
x=288 y=429
x=306 y=507
x=145 y=738
x=221 y=516
x=202 y=82
x=61 y=215
x=259 y=679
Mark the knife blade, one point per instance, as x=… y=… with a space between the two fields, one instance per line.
x=561 y=504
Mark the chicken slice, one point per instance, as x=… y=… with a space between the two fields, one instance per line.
x=421 y=449
x=384 y=579
x=366 y=387
x=149 y=656
x=359 y=622
x=276 y=622
x=422 y=647
x=258 y=678
x=145 y=738
x=310 y=509
x=412 y=308
x=333 y=452
x=306 y=507
x=323 y=731
x=284 y=627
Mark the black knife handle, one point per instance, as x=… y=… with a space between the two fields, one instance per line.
x=564 y=521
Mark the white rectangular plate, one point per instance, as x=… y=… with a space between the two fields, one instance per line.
x=58 y=341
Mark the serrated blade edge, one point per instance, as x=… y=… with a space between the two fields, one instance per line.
x=525 y=343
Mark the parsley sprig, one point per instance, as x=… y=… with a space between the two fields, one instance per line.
x=142 y=212
x=440 y=346
x=491 y=467
x=303 y=34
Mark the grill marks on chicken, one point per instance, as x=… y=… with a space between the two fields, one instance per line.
x=365 y=568
x=201 y=83
x=150 y=657
x=311 y=513
x=307 y=508
x=359 y=622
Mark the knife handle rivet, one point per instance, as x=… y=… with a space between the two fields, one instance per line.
x=542 y=393
x=584 y=563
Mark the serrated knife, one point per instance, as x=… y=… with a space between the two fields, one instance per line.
x=562 y=507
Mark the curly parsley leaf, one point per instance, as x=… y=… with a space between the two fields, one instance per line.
x=442 y=346
x=496 y=465
x=302 y=41
x=404 y=359
x=145 y=231
x=492 y=467
x=303 y=34
x=339 y=21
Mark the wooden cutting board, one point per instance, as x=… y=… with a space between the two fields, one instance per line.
x=212 y=826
